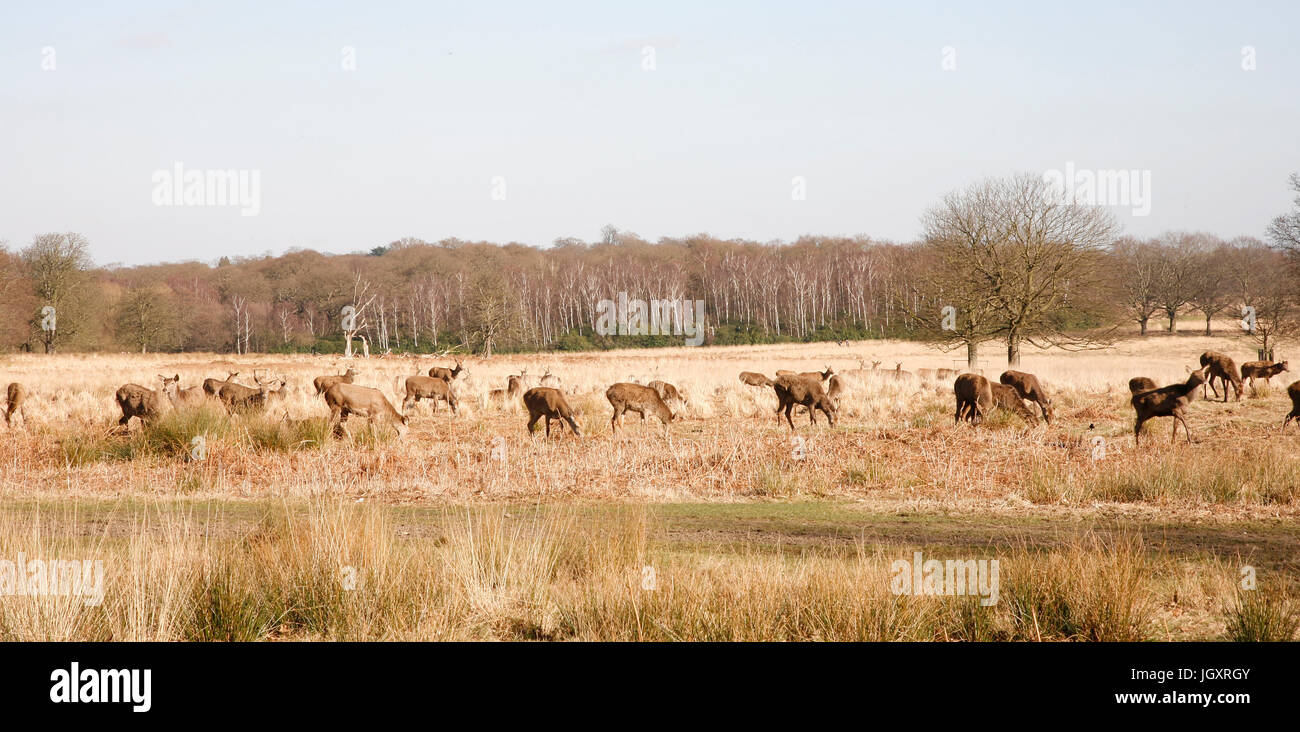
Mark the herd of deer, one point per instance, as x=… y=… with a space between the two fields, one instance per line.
x=975 y=395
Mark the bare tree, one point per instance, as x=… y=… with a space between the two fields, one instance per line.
x=1284 y=231
x=59 y=265
x=1034 y=258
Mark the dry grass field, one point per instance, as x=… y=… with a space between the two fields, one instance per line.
x=470 y=528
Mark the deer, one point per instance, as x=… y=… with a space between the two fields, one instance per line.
x=946 y=373
x=139 y=402
x=1168 y=401
x=15 y=396
x=324 y=382
x=429 y=387
x=667 y=392
x=1008 y=397
x=643 y=400
x=1139 y=384
x=1292 y=391
x=1223 y=368
x=792 y=390
x=751 y=378
x=1265 y=370
x=899 y=374
x=345 y=400
x=550 y=379
x=549 y=402
x=446 y=374
x=212 y=387
x=181 y=398
x=238 y=397
x=974 y=396
x=819 y=375
x=1028 y=388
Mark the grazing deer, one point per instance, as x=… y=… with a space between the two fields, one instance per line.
x=545 y=401
x=1139 y=384
x=1028 y=388
x=1168 y=401
x=643 y=400
x=429 y=387
x=754 y=379
x=238 y=397
x=667 y=392
x=974 y=396
x=946 y=373
x=324 y=382
x=550 y=379
x=1265 y=370
x=1008 y=397
x=818 y=375
x=15 y=395
x=212 y=387
x=345 y=400
x=792 y=390
x=1223 y=368
x=1292 y=391
x=446 y=374
x=139 y=402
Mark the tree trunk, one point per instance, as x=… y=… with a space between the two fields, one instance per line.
x=1173 y=321
x=1013 y=350
x=1143 y=323
x=972 y=354
x=1207 y=324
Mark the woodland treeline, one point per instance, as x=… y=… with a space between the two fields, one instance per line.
x=1078 y=281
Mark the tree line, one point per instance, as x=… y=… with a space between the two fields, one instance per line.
x=998 y=261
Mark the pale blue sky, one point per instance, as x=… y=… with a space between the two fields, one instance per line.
x=553 y=98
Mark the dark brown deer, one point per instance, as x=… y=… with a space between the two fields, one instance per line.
x=1168 y=401
x=345 y=400
x=1265 y=370
x=548 y=402
x=15 y=395
x=1007 y=397
x=139 y=402
x=1293 y=391
x=974 y=396
x=212 y=387
x=643 y=400
x=1139 y=384
x=446 y=374
x=792 y=390
x=754 y=379
x=1028 y=387
x=324 y=382
x=432 y=388
x=1223 y=368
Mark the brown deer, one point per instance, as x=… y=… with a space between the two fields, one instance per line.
x=667 y=392
x=345 y=400
x=432 y=388
x=1223 y=368
x=324 y=382
x=545 y=401
x=1265 y=370
x=643 y=400
x=1168 y=401
x=212 y=387
x=550 y=379
x=818 y=375
x=1007 y=397
x=754 y=379
x=446 y=374
x=238 y=397
x=182 y=398
x=1139 y=384
x=946 y=373
x=15 y=395
x=792 y=390
x=514 y=386
x=1028 y=388
x=1292 y=391
x=974 y=396
x=899 y=374
x=139 y=402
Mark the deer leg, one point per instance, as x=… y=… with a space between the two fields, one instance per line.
x=788 y=408
x=1186 y=431
x=812 y=414
x=532 y=422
